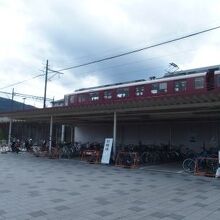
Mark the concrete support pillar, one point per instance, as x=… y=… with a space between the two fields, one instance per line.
x=72 y=134
x=114 y=135
x=170 y=138
x=51 y=133
x=218 y=138
x=9 y=132
x=62 y=133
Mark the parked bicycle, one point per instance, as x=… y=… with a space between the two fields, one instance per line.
x=128 y=156
x=194 y=160
x=153 y=154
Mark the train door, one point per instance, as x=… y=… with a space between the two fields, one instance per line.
x=210 y=80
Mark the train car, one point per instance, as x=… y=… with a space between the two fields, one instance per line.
x=184 y=82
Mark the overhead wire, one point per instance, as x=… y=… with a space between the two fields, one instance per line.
x=140 y=49
x=26 y=80
x=132 y=63
x=162 y=68
x=119 y=55
x=26 y=96
x=159 y=67
x=20 y=82
x=140 y=43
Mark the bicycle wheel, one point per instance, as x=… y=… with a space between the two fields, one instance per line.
x=144 y=157
x=189 y=165
x=128 y=160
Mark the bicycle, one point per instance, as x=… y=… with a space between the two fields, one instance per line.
x=189 y=165
x=128 y=157
x=195 y=161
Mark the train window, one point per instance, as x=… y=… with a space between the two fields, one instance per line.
x=66 y=100
x=107 y=94
x=139 y=91
x=163 y=87
x=94 y=96
x=159 y=88
x=180 y=86
x=218 y=80
x=154 y=89
x=72 y=99
x=81 y=98
x=122 y=92
x=199 y=82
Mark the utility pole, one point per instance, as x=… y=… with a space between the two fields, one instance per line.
x=12 y=99
x=53 y=102
x=45 y=85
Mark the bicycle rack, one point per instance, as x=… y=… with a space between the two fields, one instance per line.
x=91 y=156
x=206 y=166
x=122 y=157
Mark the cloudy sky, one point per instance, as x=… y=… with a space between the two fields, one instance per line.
x=71 y=32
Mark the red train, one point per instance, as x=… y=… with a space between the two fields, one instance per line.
x=184 y=82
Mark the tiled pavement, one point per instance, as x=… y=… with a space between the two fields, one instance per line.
x=39 y=188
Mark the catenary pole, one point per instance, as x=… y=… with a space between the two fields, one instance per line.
x=45 y=85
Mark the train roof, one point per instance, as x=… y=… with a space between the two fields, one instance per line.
x=107 y=85
x=193 y=71
x=156 y=80
x=172 y=76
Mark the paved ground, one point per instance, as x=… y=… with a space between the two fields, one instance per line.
x=39 y=188
x=169 y=167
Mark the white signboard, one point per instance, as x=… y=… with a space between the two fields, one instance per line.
x=219 y=157
x=107 y=151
